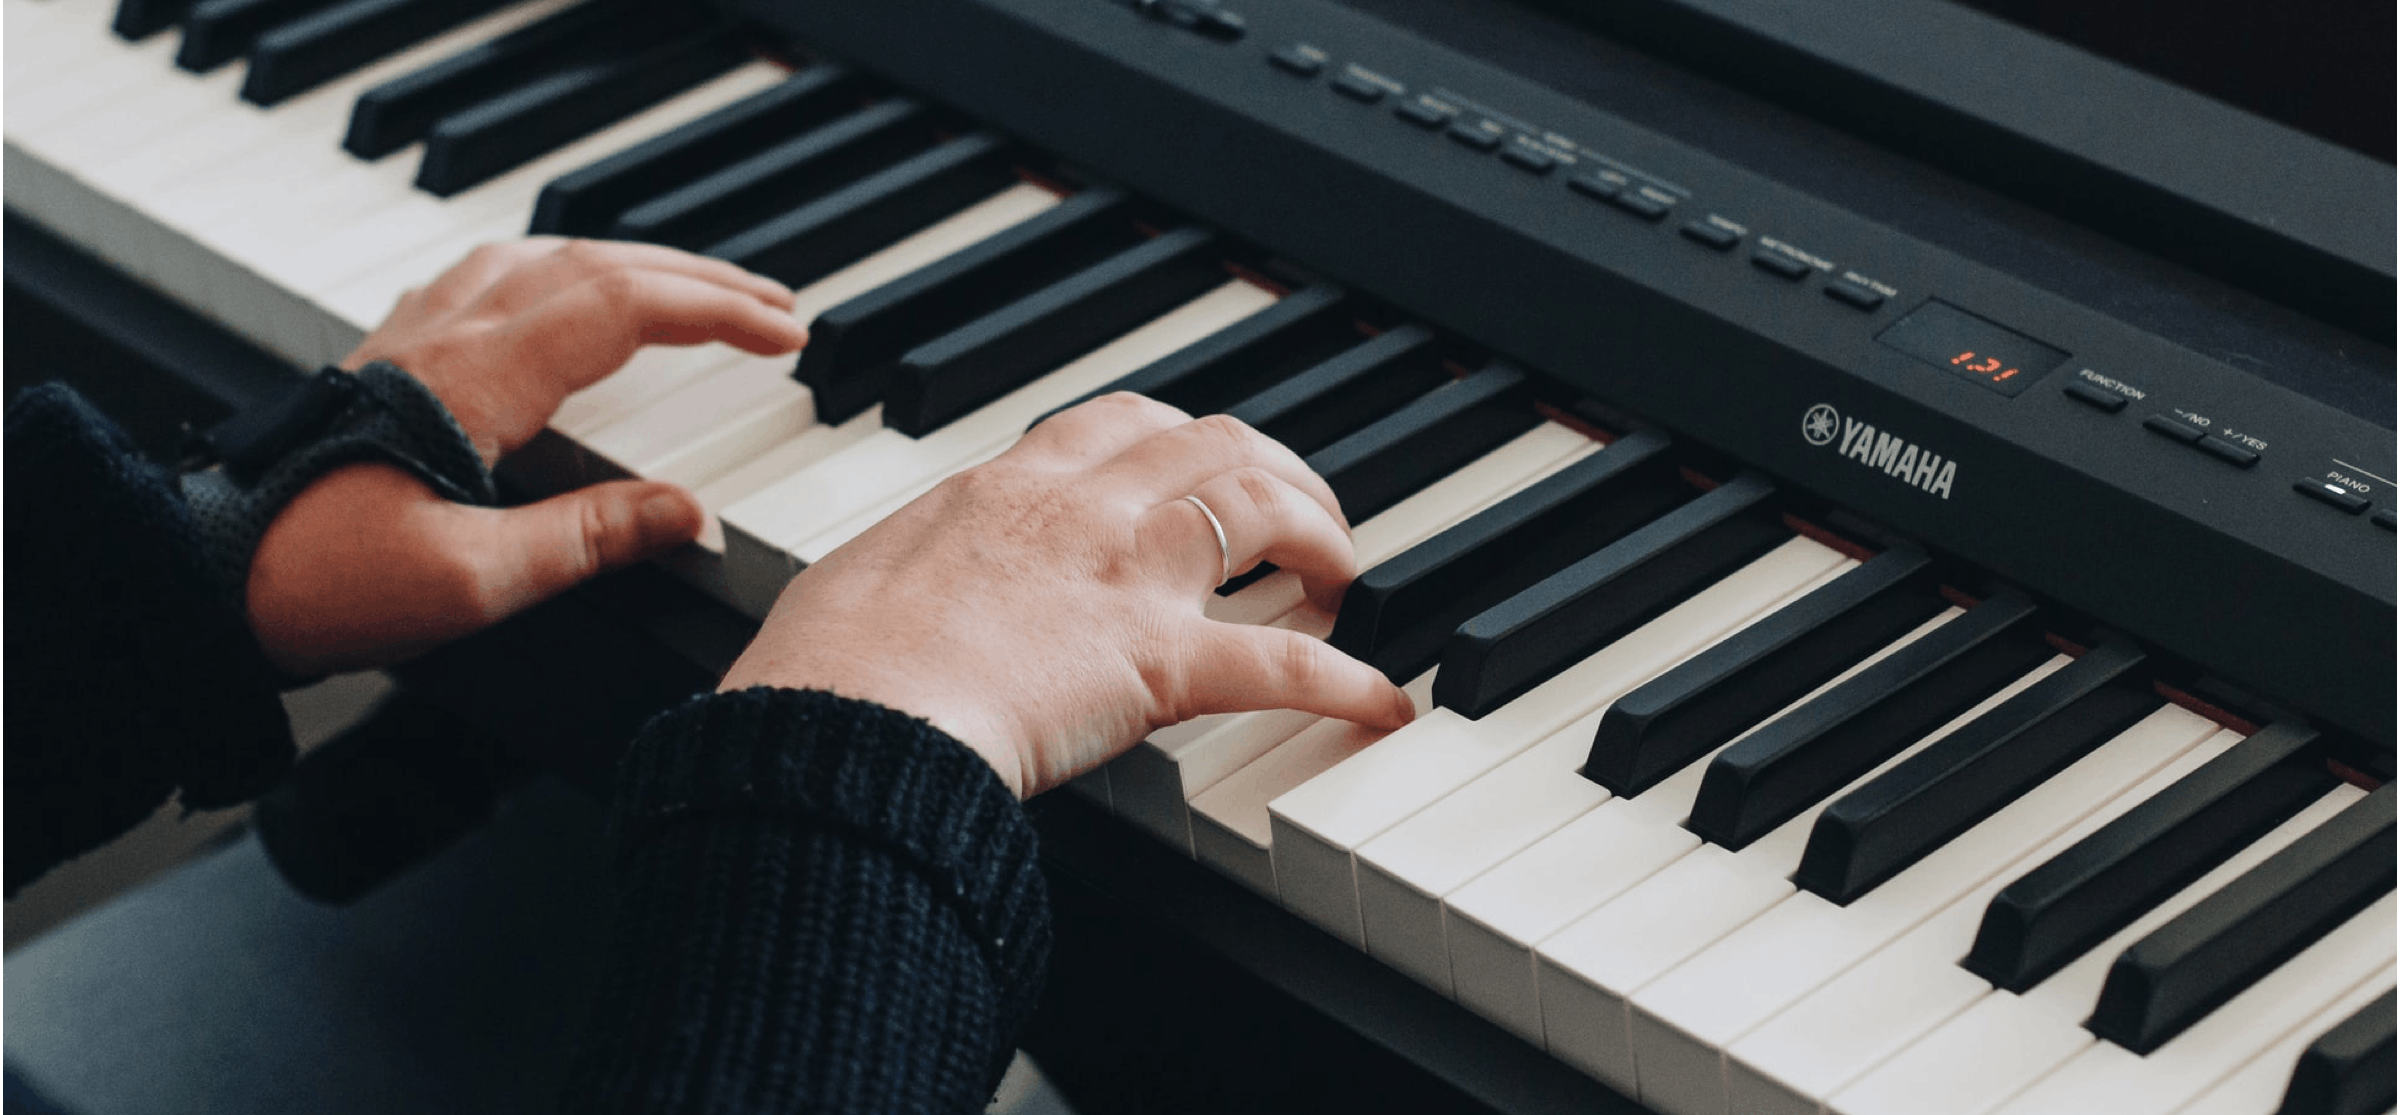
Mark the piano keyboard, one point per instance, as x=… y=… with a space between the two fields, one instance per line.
x=1722 y=809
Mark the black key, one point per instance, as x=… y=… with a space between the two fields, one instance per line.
x=2045 y=919
x=2349 y=1070
x=1883 y=827
x=587 y=202
x=1701 y=704
x=855 y=221
x=1526 y=639
x=2218 y=948
x=781 y=178
x=472 y=147
x=402 y=111
x=852 y=347
x=1428 y=439
x=1396 y=616
x=1793 y=761
x=139 y=19
x=1301 y=330
x=1336 y=398
x=219 y=31
x=1007 y=348
x=301 y=54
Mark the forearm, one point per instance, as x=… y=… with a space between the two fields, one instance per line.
x=826 y=906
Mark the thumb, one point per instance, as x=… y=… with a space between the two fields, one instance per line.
x=546 y=548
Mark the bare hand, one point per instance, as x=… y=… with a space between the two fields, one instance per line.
x=368 y=566
x=1045 y=607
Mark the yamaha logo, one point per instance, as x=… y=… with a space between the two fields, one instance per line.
x=1887 y=453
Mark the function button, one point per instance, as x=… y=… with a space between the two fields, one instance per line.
x=1714 y=236
x=1358 y=89
x=1778 y=264
x=1592 y=185
x=2383 y=518
x=1299 y=58
x=2332 y=494
x=1854 y=294
x=2172 y=428
x=1424 y=114
x=1640 y=204
x=2091 y=396
x=1532 y=160
x=2239 y=456
x=1224 y=26
x=1482 y=135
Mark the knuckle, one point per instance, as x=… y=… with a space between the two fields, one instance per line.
x=1261 y=490
x=617 y=287
x=1302 y=664
x=584 y=254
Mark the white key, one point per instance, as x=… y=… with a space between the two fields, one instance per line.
x=1404 y=873
x=1493 y=923
x=1593 y=968
x=710 y=425
x=2107 y=1079
x=1319 y=826
x=2258 y=1086
x=760 y=530
x=1819 y=1044
x=652 y=374
x=1683 y=1021
x=2004 y=1042
x=1229 y=820
x=1152 y=784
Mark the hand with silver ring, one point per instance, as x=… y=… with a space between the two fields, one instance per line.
x=1045 y=607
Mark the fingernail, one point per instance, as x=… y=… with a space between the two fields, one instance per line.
x=1404 y=711
x=665 y=512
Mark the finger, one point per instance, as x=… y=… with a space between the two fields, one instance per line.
x=1167 y=465
x=529 y=554
x=576 y=261
x=595 y=326
x=1095 y=430
x=1239 y=669
x=1263 y=518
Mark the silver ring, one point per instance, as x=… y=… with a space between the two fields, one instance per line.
x=1224 y=552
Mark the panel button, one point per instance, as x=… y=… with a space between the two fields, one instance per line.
x=1854 y=294
x=2091 y=396
x=1778 y=264
x=1299 y=58
x=2383 y=518
x=1423 y=114
x=1717 y=237
x=1532 y=160
x=1224 y=26
x=1482 y=135
x=2332 y=494
x=1592 y=185
x=2239 y=456
x=1358 y=89
x=2172 y=428
x=1640 y=204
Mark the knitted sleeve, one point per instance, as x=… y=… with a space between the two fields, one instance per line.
x=826 y=906
x=132 y=674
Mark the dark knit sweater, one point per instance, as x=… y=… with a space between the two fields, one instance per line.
x=826 y=905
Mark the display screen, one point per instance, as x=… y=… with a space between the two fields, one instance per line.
x=1945 y=336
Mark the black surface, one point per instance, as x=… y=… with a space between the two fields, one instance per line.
x=2221 y=946
x=853 y=346
x=140 y=19
x=1396 y=616
x=587 y=201
x=780 y=177
x=994 y=354
x=298 y=55
x=1705 y=701
x=1301 y=330
x=1632 y=315
x=478 y=143
x=2052 y=914
x=2349 y=1070
x=218 y=31
x=1884 y=827
x=1336 y=398
x=1792 y=762
x=1524 y=640
x=1422 y=442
